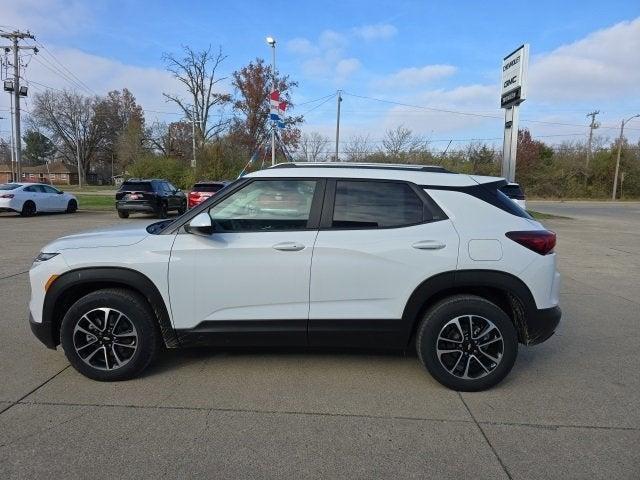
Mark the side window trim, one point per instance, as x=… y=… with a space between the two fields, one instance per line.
x=431 y=211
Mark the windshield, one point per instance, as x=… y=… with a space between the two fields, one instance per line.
x=9 y=186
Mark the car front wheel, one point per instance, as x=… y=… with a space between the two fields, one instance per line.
x=110 y=335
x=72 y=206
x=467 y=343
x=123 y=214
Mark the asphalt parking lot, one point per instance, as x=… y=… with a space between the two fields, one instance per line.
x=569 y=409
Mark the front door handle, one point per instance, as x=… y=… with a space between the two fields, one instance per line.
x=289 y=246
x=429 y=245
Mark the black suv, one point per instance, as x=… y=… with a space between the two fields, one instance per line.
x=152 y=196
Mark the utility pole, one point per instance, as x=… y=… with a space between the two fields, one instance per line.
x=193 y=137
x=592 y=127
x=15 y=37
x=615 y=177
x=78 y=156
x=338 y=125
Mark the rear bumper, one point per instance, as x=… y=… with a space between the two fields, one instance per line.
x=541 y=324
x=44 y=332
x=135 y=207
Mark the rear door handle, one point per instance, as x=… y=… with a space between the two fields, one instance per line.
x=288 y=246
x=429 y=245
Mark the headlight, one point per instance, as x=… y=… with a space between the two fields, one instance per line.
x=43 y=257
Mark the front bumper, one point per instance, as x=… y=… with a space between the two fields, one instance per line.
x=44 y=332
x=541 y=324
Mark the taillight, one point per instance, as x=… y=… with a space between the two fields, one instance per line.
x=540 y=241
x=7 y=195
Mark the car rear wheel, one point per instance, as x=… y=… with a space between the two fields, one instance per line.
x=182 y=209
x=110 y=335
x=162 y=211
x=72 y=206
x=123 y=214
x=467 y=343
x=28 y=209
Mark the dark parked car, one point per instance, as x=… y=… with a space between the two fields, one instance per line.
x=203 y=190
x=514 y=192
x=155 y=196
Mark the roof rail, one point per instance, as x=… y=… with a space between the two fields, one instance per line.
x=377 y=166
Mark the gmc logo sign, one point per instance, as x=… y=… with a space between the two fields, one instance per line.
x=510 y=81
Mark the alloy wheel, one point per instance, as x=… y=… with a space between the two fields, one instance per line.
x=470 y=347
x=105 y=339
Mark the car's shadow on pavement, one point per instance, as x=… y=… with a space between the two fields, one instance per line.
x=174 y=359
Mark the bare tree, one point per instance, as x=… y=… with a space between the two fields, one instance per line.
x=313 y=147
x=357 y=149
x=170 y=140
x=401 y=143
x=197 y=72
x=71 y=120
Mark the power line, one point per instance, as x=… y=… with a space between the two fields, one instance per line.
x=472 y=114
x=316 y=100
x=319 y=105
x=84 y=85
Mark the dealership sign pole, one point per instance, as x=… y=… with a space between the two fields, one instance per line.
x=513 y=93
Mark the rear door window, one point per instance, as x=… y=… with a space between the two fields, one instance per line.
x=368 y=204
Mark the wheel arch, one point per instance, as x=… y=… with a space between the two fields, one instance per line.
x=74 y=284
x=505 y=290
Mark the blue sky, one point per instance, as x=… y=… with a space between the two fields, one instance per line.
x=585 y=56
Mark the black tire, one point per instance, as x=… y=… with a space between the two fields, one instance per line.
x=439 y=318
x=123 y=214
x=72 y=206
x=136 y=311
x=162 y=210
x=28 y=209
x=182 y=209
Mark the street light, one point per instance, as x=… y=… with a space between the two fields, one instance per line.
x=615 y=177
x=272 y=42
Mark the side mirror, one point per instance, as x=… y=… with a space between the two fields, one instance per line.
x=200 y=225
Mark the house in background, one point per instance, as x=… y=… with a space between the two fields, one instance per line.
x=57 y=173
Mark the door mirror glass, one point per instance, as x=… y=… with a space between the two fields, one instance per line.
x=200 y=225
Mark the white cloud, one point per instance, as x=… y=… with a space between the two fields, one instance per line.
x=381 y=31
x=601 y=66
x=102 y=75
x=416 y=76
x=347 y=66
x=46 y=17
x=301 y=46
x=326 y=57
x=330 y=39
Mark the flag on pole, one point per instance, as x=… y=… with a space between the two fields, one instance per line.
x=282 y=106
x=274 y=103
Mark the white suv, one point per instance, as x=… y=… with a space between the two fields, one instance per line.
x=342 y=255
